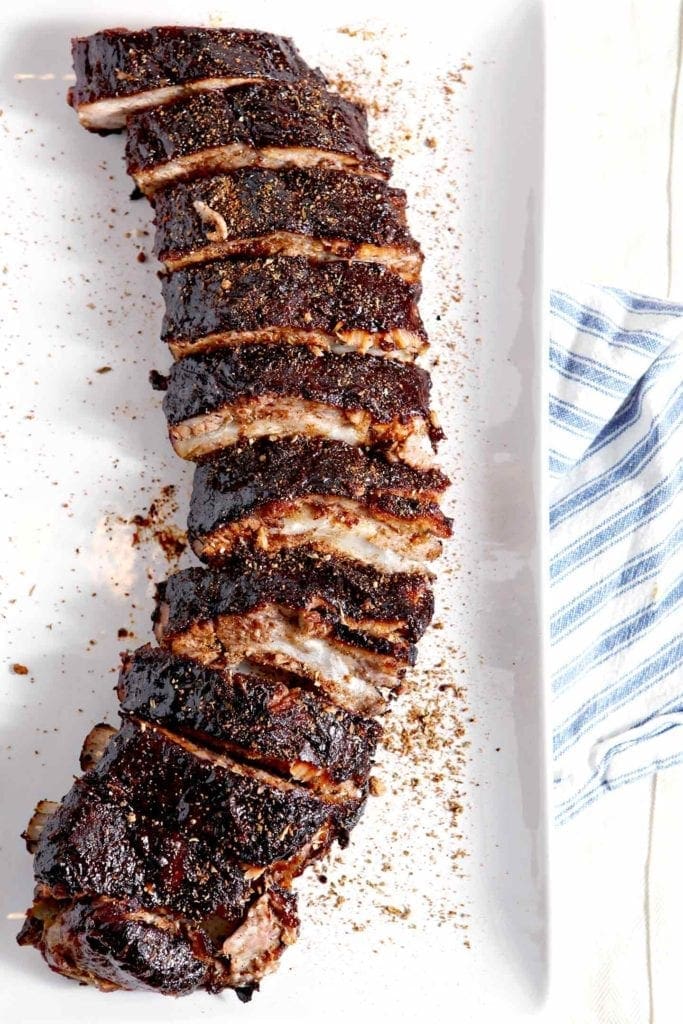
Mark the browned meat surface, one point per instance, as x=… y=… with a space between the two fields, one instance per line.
x=273 y=124
x=347 y=595
x=345 y=625
x=167 y=866
x=116 y=944
x=337 y=305
x=322 y=214
x=157 y=811
x=341 y=500
x=266 y=719
x=216 y=399
x=90 y=847
x=119 y=72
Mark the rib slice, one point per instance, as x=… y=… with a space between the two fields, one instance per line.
x=346 y=626
x=321 y=214
x=43 y=810
x=255 y=947
x=95 y=744
x=219 y=398
x=271 y=124
x=119 y=72
x=272 y=720
x=338 y=306
x=174 y=826
x=341 y=500
x=116 y=944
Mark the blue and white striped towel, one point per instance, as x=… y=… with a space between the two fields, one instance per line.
x=616 y=540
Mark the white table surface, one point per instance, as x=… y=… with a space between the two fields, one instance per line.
x=616 y=216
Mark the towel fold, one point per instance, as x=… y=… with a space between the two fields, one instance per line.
x=616 y=540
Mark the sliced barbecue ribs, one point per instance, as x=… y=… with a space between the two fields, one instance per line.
x=295 y=211
x=264 y=716
x=273 y=124
x=119 y=73
x=343 y=501
x=247 y=737
x=341 y=306
x=219 y=398
x=182 y=839
x=344 y=625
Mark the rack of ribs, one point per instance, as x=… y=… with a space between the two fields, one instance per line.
x=247 y=735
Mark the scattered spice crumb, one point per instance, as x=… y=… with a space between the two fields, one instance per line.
x=377 y=787
x=354 y=33
x=19 y=669
x=402 y=912
x=103 y=369
x=155 y=525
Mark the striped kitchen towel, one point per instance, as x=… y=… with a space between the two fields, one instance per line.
x=616 y=540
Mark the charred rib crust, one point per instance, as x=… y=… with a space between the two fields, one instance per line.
x=94 y=847
x=122 y=949
x=279 y=114
x=386 y=389
x=287 y=292
x=118 y=62
x=117 y=944
x=109 y=943
x=253 y=202
x=338 y=589
x=155 y=822
x=279 y=723
x=238 y=481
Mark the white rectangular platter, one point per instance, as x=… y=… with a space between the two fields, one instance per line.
x=439 y=907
